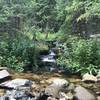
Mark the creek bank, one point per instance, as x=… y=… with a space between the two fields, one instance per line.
x=47 y=86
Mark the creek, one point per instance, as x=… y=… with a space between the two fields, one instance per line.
x=52 y=72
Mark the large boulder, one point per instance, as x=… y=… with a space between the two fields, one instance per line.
x=89 y=78
x=83 y=94
x=53 y=90
x=56 y=85
x=18 y=94
x=20 y=90
x=16 y=83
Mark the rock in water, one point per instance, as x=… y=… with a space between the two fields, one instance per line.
x=16 y=83
x=17 y=94
x=83 y=94
x=4 y=74
x=67 y=96
x=89 y=78
x=52 y=90
x=57 y=85
x=58 y=81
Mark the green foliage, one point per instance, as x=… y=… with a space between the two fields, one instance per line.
x=80 y=55
x=41 y=36
x=44 y=14
x=81 y=16
x=37 y=17
x=18 y=52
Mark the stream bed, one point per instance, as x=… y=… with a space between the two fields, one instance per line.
x=41 y=80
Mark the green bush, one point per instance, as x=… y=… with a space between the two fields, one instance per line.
x=18 y=52
x=80 y=55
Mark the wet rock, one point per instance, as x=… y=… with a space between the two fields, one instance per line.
x=83 y=94
x=57 y=84
x=64 y=96
x=2 y=91
x=4 y=74
x=58 y=81
x=98 y=77
x=71 y=87
x=21 y=90
x=42 y=82
x=42 y=96
x=16 y=83
x=34 y=86
x=17 y=94
x=89 y=78
x=53 y=90
x=70 y=96
x=36 y=77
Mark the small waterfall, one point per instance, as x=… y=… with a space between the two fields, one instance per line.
x=49 y=60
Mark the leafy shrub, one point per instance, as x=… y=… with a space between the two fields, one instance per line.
x=18 y=52
x=80 y=55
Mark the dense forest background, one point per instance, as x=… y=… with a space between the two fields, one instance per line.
x=26 y=25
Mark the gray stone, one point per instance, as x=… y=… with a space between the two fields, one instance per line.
x=3 y=68
x=89 y=78
x=18 y=94
x=98 y=77
x=67 y=96
x=83 y=94
x=57 y=84
x=52 y=90
x=4 y=74
x=71 y=87
x=16 y=83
